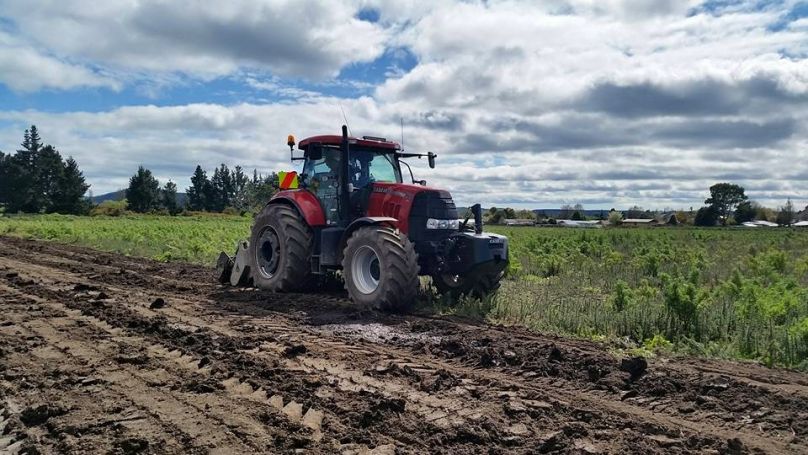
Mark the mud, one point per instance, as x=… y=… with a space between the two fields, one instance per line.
x=102 y=353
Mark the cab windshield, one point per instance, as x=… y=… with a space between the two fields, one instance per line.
x=366 y=165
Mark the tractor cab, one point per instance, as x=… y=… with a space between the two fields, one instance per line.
x=369 y=161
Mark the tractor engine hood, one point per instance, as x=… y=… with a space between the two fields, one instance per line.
x=411 y=204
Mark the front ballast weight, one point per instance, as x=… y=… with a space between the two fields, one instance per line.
x=235 y=270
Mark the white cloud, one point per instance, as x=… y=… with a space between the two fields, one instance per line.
x=172 y=140
x=609 y=103
x=26 y=69
x=300 y=38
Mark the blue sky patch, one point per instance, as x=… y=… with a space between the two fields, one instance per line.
x=368 y=15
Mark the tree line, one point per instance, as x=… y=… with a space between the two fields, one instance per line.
x=727 y=205
x=37 y=179
x=226 y=190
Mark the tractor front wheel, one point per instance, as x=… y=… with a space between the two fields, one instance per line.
x=380 y=268
x=280 y=250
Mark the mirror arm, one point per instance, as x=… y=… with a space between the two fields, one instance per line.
x=412 y=176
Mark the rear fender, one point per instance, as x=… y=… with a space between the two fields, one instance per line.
x=362 y=222
x=304 y=202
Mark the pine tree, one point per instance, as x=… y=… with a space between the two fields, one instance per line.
x=48 y=174
x=197 y=191
x=5 y=179
x=143 y=194
x=210 y=196
x=169 y=198
x=214 y=193
x=786 y=215
x=260 y=190
x=35 y=142
x=226 y=189
x=69 y=197
x=31 y=144
x=240 y=181
x=37 y=179
x=20 y=169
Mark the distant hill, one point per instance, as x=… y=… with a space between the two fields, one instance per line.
x=121 y=194
x=114 y=196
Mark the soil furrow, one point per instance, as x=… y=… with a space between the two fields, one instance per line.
x=280 y=372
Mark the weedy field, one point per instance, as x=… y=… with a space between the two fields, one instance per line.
x=732 y=293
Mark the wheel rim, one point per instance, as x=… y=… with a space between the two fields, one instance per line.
x=365 y=269
x=268 y=252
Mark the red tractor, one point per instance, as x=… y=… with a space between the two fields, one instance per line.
x=351 y=211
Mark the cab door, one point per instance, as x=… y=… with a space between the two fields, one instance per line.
x=321 y=180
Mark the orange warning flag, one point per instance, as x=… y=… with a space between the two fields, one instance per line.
x=288 y=180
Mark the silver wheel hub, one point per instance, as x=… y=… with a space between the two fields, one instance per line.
x=365 y=269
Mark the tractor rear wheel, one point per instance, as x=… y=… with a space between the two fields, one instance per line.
x=478 y=285
x=280 y=250
x=380 y=268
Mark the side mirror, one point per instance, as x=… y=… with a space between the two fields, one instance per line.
x=431 y=157
x=420 y=182
x=314 y=153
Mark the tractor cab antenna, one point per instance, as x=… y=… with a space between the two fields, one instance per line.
x=345 y=117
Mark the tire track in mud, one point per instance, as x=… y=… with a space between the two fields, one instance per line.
x=448 y=385
x=243 y=385
x=216 y=424
x=48 y=381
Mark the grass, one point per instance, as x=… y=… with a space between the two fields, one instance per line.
x=734 y=293
x=197 y=239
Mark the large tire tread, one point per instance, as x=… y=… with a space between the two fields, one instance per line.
x=294 y=270
x=398 y=284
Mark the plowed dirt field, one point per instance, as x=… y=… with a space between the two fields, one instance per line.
x=102 y=353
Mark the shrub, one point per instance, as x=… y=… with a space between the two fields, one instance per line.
x=615 y=218
x=621 y=297
x=110 y=208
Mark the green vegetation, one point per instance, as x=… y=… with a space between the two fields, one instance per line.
x=719 y=292
x=733 y=293
x=195 y=238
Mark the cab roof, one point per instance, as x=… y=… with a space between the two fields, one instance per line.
x=334 y=139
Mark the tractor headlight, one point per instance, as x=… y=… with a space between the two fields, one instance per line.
x=432 y=223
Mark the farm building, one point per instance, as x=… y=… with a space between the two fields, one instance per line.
x=520 y=222
x=640 y=222
x=759 y=223
x=579 y=224
x=669 y=219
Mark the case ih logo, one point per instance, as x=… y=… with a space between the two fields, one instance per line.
x=391 y=192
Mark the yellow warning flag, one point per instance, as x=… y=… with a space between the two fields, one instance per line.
x=288 y=180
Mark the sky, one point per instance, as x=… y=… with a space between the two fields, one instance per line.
x=606 y=103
